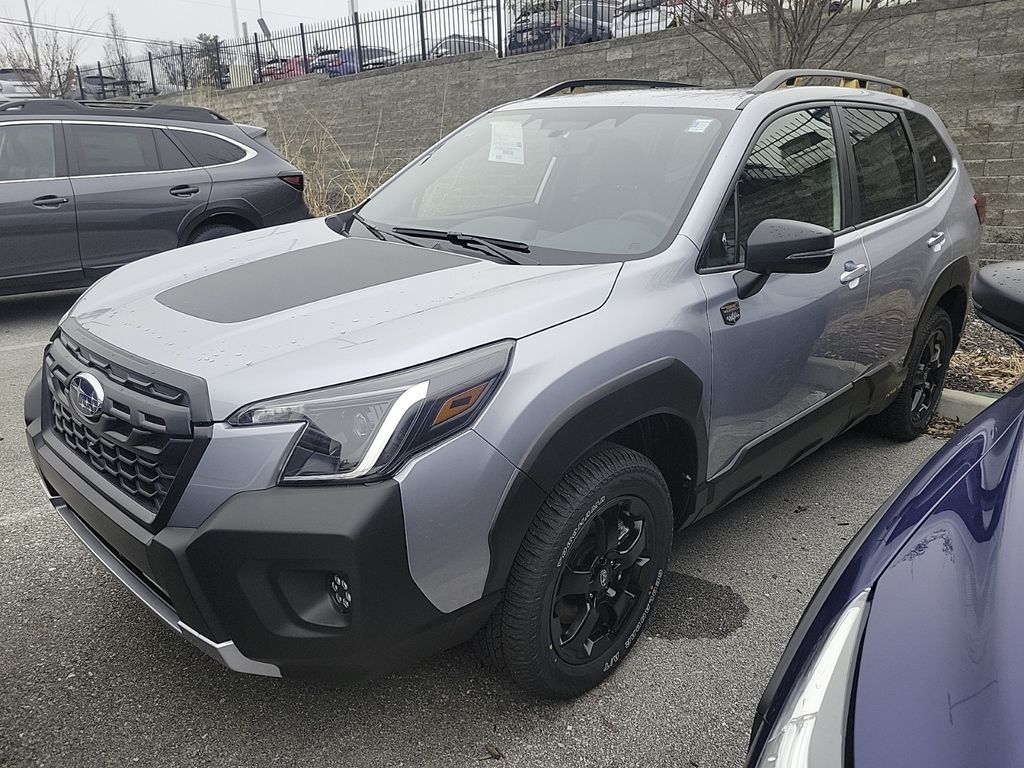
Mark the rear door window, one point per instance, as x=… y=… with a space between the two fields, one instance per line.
x=171 y=158
x=27 y=152
x=936 y=160
x=209 y=150
x=886 y=178
x=113 y=149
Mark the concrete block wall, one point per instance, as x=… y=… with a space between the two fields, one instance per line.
x=966 y=59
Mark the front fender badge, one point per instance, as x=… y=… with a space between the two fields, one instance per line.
x=731 y=312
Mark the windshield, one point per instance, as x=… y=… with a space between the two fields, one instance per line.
x=578 y=185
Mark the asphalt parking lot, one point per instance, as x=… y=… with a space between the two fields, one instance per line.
x=90 y=678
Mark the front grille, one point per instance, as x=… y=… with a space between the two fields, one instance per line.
x=139 y=441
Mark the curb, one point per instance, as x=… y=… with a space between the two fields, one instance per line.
x=962 y=406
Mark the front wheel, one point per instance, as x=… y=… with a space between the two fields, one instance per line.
x=910 y=413
x=586 y=576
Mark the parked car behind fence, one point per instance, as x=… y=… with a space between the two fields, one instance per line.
x=19 y=83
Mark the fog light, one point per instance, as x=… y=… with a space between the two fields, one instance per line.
x=341 y=594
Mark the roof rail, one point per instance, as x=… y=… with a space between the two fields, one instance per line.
x=786 y=78
x=120 y=108
x=572 y=85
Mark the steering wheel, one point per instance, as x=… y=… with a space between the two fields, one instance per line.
x=644 y=215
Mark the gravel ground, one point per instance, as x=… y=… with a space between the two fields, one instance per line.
x=90 y=678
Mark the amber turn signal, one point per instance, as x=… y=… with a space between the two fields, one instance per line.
x=459 y=404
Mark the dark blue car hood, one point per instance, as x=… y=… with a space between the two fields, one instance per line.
x=941 y=679
x=941 y=670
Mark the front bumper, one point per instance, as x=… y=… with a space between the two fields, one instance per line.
x=249 y=586
x=226 y=652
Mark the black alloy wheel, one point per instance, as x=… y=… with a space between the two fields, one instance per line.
x=928 y=376
x=917 y=399
x=602 y=580
x=585 y=577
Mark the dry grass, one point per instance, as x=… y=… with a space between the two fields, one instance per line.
x=306 y=141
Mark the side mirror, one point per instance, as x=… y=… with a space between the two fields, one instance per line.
x=783 y=246
x=999 y=297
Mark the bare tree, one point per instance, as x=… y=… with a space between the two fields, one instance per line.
x=781 y=34
x=172 y=70
x=57 y=53
x=120 y=57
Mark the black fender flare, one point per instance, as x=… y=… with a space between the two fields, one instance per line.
x=231 y=207
x=665 y=386
x=957 y=273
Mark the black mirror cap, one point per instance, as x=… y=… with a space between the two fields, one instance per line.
x=999 y=297
x=786 y=246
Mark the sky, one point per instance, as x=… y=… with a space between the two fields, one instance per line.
x=178 y=19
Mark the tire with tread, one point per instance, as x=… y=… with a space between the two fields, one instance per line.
x=517 y=637
x=212 y=232
x=897 y=420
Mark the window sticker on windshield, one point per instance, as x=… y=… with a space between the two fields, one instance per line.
x=699 y=126
x=506 y=142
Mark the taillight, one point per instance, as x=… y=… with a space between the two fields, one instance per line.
x=294 y=180
x=980 y=204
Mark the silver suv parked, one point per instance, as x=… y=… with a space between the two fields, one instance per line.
x=88 y=186
x=481 y=403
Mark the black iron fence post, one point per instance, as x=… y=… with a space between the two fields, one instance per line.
x=593 y=20
x=305 y=53
x=359 y=42
x=81 y=88
x=423 y=29
x=259 y=65
x=184 y=72
x=220 y=67
x=152 y=73
x=500 y=42
x=124 y=78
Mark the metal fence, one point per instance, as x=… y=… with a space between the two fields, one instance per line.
x=422 y=31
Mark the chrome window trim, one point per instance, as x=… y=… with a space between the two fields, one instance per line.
x=250 y=153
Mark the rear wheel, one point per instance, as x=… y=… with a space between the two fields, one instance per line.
x=585 y=577
x=212 y=232
x=910 y=413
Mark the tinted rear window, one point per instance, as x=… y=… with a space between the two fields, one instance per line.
x=936 y=161
x=209 y=150
x=26 y=152
x=103 y=149
x=18 y=75
x=886 y=179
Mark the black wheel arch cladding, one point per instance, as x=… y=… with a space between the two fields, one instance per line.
x=663 y=387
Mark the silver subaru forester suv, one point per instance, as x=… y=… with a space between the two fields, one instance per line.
x=479 y=404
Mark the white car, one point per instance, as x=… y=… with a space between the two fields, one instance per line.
x=638 y=17
x=17 y=83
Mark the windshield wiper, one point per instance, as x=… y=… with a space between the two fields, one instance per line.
x=378 y=233
x=494 y=246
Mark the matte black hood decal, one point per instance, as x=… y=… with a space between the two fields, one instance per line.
x=299 y=277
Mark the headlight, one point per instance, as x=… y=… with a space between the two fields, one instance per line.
x=811 y=729
x=359 y=431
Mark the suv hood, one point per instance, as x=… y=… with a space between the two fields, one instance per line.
x=299 y=307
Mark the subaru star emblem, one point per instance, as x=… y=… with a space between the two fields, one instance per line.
x=86 y=395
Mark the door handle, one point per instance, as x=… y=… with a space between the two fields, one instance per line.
x=49 y=201
x=184 y=190
x=937 y=240
x=852 y=273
